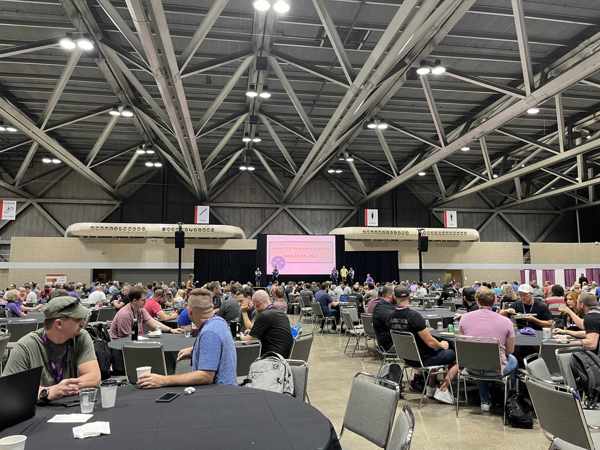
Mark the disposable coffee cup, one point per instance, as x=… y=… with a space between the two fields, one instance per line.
x=546 y=333
x=15 y=442
x=108 y=393
x=141 y=371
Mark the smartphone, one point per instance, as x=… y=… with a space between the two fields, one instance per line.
x=167 y=397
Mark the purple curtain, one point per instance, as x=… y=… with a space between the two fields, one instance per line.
x=589 y=274
x=595 y=276
x=548 y=275
x=532 y=275
x=522 y=277
x=570 y=277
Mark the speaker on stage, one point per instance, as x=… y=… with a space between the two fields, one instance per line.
x=423 y=243
x=180 y=239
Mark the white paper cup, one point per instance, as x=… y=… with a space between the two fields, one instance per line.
x=546 y=333
x=108 y=394
x=16 y=442
x=145 y=370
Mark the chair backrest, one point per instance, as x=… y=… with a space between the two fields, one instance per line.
x=404 y=428
x=548 y=354
x=140 y=354
x=367 y=321
x=4 y=339
x=19 y=329
x=560 y=414
x=482 y=354
x=406 y=346
x=371 y=409
x=299 y=370
x=563 y=358
x=316 y=309
x=347 y=318
x=352 y=311
x=106 y=314
x=301 y=347
x=536 y=368
x=247 y=353
x=306 y=299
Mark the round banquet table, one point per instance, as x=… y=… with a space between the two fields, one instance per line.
x=215 y=417
x=38 y=316
x=445 y=314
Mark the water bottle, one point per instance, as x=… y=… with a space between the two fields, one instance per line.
x=134 y=330
x=451 y=328
x=427 y=325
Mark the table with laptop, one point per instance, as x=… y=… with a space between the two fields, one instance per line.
x=212 y=417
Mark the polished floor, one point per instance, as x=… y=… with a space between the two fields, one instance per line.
x=437 y=427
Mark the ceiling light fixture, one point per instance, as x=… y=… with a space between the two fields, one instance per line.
x=46 y=160
x=56 y=161
x=256 y=139
x=243 y=167
x=150 y=152
x=338 y=171
x=533 y=110
x=251 y=92
x=157 y=164
x=67 y=43
x=422 y=174
x=423 y=69
x=438 y=68
x=465 y=148
x=372 y=126
x=149 y=164
x=261 y=5
x=127 y=113
x=495 y=175
x=281 y=7
x=140 y=151
x=349 y=159
x=2 y=129
x=246 y=139
x=11 y=129
x=331 y=171
x=265 y=94
x=114 y=112
x=251 y=168
x=377 y=125
x=85 y=44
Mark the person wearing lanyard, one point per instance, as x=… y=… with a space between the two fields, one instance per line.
x=591 y=322
x=62 y=348
x=540 y=317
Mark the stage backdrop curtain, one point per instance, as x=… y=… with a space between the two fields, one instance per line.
x=532 y=275
x=570 y=277
x=383 y=266
x=589 y=274
x=224 y=265
x=522 y=277
x=595 y=275
x=548 y=275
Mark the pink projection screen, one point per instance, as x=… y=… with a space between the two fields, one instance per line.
x=300 y=255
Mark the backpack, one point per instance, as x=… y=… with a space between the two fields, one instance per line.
x=519 y=411
x=271 y=372
x=585 y=366
x=392 y=372
x=104 y=357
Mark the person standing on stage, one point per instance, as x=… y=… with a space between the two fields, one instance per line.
x=334 y=276
x=369 y=279
x=257 y=276
x=344 y=274
x=350 y=276
x=275 y=274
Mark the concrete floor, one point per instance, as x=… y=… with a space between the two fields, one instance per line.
x=437 y=427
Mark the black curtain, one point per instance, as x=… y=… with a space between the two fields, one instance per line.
x=383 y=266
x=224 y=265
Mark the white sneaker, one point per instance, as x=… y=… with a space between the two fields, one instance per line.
x=485 y=407
x=444 y=396
x=429 y=391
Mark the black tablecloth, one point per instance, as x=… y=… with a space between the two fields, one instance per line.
x=213 y=418
x=170 y=342
x=432 y=314
x=521 y=340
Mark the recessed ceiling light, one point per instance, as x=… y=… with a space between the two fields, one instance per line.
x=149 y=164
x=281 y=7
x=85 y=44
x=2 y=129
x=67 y=43
x=56 y=161
x=46 y=160
x=127 y=113
x=246 y=139
x=422 y=174
x=261 y=5
x=251 y=92
x=465 y=148
x=256 y=139
x=533 y=110
x=265 y=93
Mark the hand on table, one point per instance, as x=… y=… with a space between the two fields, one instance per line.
x=66 y=388
x=558 y=331
x=151 y=381
x=176 y=331
x=185 y=353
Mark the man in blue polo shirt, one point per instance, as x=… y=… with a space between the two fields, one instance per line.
x=329 y=306
x=213 y=354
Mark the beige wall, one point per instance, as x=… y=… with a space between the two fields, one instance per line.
x=576 y=255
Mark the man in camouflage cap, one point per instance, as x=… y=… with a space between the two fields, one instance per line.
x=62 y=348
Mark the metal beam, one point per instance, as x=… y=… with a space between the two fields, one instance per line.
x=334 y=39
x=101 y=140
x=296 y=219
x=122 y=26
x=357 y=177
x=535 y=143
x=388 y=153
x=126 y=170
x=372 y=166
x=225 y=168
x=519 y=16
x=560 y=122
x=269 y=170
x=507 y=90
x=278 y=142
x=518 y=188
x=225 y=140
x=435 y=115
x=309 y=68
x=486 y=158
x=266 y=222
x=29 y=47
x=287 y=127
x=415 y=136
x=439 y=180
x=215 y=63
x=61 y=230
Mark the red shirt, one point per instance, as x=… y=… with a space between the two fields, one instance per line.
x=554 y=302
x=153 y=307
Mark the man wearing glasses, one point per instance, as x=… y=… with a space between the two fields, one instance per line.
x=62 y=348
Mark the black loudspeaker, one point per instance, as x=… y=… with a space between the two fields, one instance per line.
x=179 y=239
x=423 y=243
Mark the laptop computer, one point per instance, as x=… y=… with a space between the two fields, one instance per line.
x=19 y=394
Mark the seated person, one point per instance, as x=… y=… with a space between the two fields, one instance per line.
x=230 y=306
x=271 y=327
x=469 y=302
x=122 y=324
x=556 y=298
x=382 y=311
x=213 y=355
x=527 y=305
x=248 y=312
x=571 y=315
x=14 y=307
x=591 y=323
x=432 y=351
x=328 y=305
x=154 y=307
x=62 y=348
x=488 y=324
x=184 y=319
x=98 y=297
x=279 y=301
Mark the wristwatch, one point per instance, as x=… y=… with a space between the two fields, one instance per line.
x=43 y=397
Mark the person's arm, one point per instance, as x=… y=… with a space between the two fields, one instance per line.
x=510 y=345
x=579 y=334
x=540 y=322
x=164 y=316
x=89 y=374
x=156 y=325
x=196 y=377
x=578 y=321
x=430 y=341
x=590 y=341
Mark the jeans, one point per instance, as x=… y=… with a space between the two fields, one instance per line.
x=484 y=387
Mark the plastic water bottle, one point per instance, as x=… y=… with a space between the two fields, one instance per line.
x=451 y=328
x=427 y=325
x=134 y=330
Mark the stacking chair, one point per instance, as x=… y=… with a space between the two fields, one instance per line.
x=367 y=322
x=404 y=429
x=548 y=353
x=300 y=375
x=4 y=338
x=301 y=347
x=139 y=354
x=563 y=358
x=535 y=367
x=305 y=305
x=561 y=417
x=371 y=409
x=106 y=314
x=353 y=331
x=247 y=353
x=481 y=359
x=18 y=329
x=318 y=316
x=407 y=351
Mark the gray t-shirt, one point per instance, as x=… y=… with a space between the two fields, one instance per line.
x=31 y=351
x=230 y=309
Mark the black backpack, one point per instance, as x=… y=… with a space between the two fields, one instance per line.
x=585 y=366
x=519 y=411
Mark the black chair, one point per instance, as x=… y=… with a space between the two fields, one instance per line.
x=18 y=329
x=247 y=353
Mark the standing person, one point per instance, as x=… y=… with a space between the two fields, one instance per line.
x=257 y=277
x=582 y=279
x=369 y=279
x=351 y=276
x=334 y=276
x=344 y=274
x=275 y=274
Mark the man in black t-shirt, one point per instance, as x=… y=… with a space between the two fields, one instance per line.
x=528 y=305
x=384 y=308
x=271 y=327
x=591 y=323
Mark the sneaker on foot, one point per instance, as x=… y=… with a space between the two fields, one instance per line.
x=485 y=407
x=444 y=396
x=430 y=391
